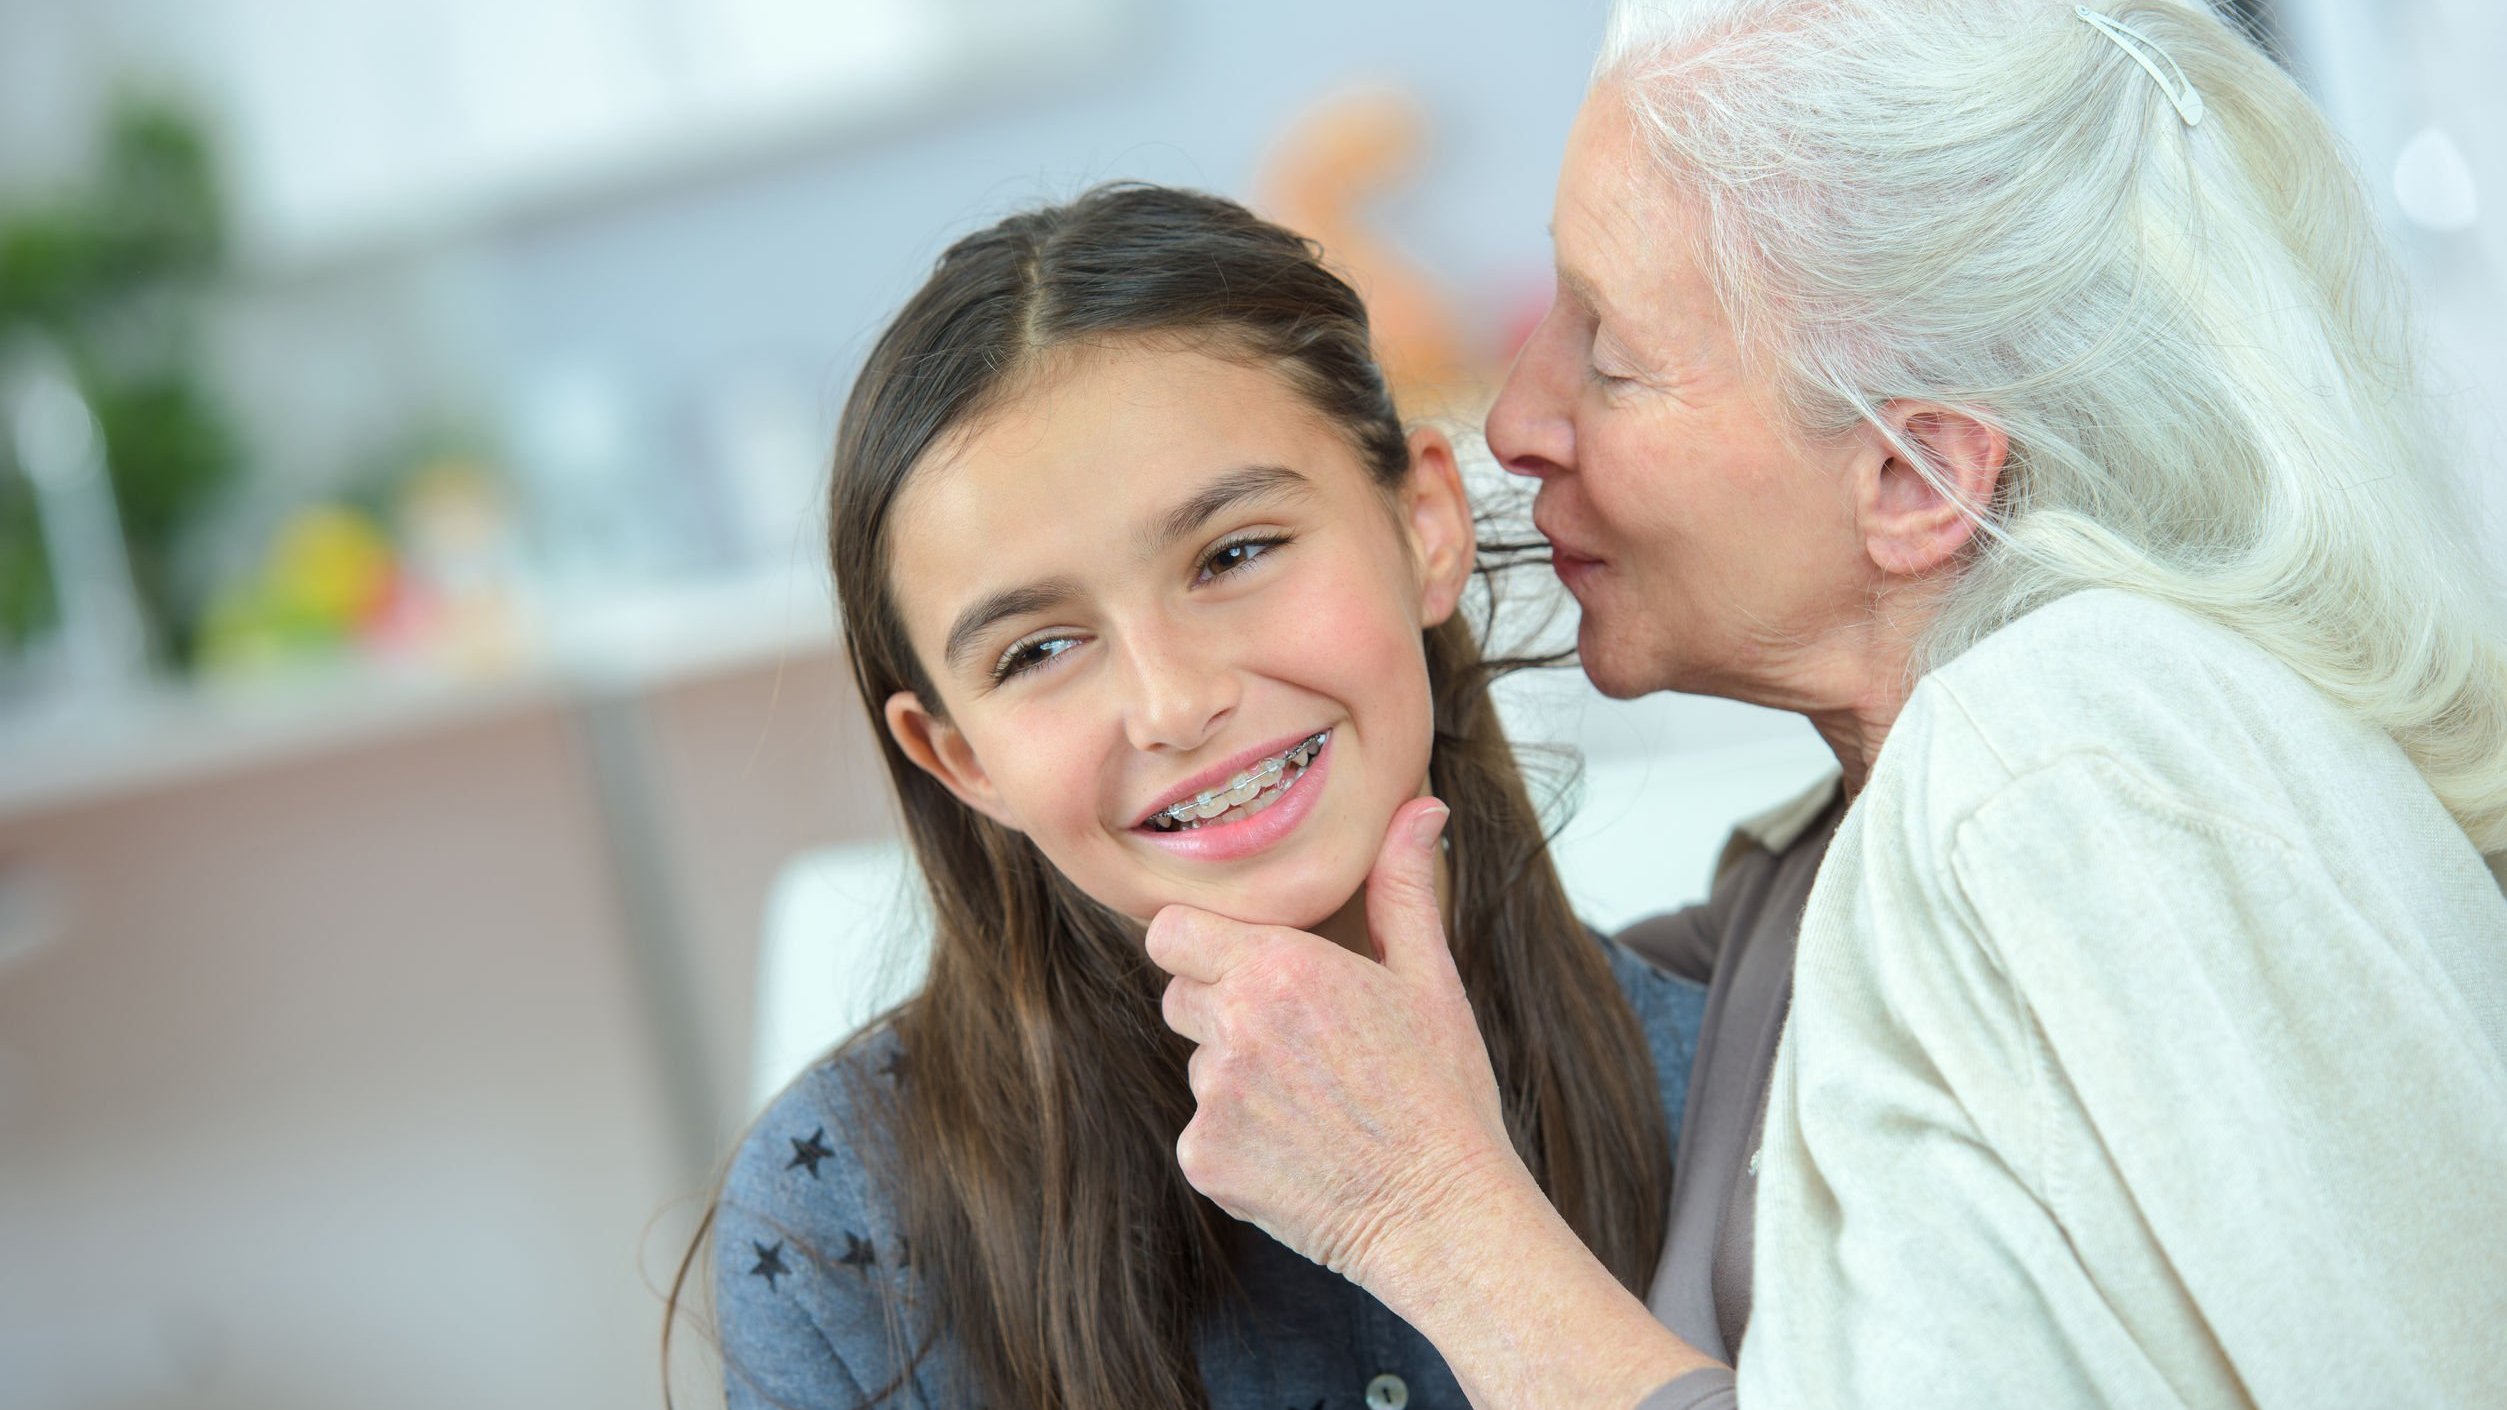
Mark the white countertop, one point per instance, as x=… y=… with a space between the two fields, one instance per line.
x=57 y=753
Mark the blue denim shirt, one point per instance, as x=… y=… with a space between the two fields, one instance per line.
x=809 y=1265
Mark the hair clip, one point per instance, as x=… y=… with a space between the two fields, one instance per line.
x=2179 y=89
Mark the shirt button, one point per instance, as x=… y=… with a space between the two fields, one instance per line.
x=1387 y=1392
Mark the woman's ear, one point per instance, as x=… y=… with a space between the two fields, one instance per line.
x=1436 y=513
x=1911 y=522
x=938 y=749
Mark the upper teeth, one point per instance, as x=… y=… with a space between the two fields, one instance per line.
x=1243 y=788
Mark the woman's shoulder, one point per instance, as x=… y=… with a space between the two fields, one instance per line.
x=2106 y=623
x=2187 y=709
x=813 y=1276
x=2112 y=764
x=2120 y=672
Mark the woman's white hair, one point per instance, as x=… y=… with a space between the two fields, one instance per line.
x=2189 y=331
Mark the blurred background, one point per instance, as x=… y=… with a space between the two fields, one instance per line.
x=420 y=723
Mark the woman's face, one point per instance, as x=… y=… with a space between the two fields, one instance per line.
x=1157 y=584
x=1708 y=549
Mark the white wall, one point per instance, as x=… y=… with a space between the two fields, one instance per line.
x=2426 y=72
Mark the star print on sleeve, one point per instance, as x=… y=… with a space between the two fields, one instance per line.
x=858 y=1253
x=810 y=1152
x=769 y=1261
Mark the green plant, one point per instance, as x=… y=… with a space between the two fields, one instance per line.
x=115 y=275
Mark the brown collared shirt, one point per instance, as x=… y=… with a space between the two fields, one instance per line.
x=1740 y=943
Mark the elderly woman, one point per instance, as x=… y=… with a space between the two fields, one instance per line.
x=2018 y=392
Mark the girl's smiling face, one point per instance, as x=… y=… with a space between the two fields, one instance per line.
x=1156 y=578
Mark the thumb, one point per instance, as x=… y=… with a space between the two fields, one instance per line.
x=1402 y=914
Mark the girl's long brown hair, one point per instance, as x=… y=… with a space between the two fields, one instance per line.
x=1031 y=1152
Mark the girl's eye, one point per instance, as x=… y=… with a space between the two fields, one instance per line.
x=1027 y=655
x=1235 y=555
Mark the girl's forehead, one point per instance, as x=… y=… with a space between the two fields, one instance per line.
x=1104 y=436
x=1081 y=461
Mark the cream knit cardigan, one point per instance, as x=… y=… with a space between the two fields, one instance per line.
x=2148 y=1048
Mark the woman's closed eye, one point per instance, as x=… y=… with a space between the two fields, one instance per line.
x=1606 y=371
x=1606 y=363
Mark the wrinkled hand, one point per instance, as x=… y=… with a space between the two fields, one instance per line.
x=1344 y=1104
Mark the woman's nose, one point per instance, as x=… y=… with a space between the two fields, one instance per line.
x=1181 y=691
x=1531 y=428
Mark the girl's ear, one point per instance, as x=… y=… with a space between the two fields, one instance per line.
x=938 y=749
x=1436 y=512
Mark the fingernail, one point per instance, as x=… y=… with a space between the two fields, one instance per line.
x=1430 y=822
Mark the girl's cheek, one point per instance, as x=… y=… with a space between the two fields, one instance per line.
x=1351 y=614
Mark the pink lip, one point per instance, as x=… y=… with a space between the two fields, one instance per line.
x=1218 y=774
x=1572 y=568
x=1230 y=841
x=1542 y=525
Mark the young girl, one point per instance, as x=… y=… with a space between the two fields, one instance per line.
x=1158 y=604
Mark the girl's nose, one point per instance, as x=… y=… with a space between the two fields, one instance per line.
x=1181 y=691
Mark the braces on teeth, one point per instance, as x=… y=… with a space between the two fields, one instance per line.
x=1242 y=789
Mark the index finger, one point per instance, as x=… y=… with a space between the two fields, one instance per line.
x=1198 y=944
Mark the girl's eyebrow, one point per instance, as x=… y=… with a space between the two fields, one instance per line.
x=1224 y=493
x=992 y=607
x=1220 y=495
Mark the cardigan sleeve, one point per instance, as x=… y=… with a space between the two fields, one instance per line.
x=2112 y=1097
x=812 y=1295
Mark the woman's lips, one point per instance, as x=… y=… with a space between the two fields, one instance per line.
x=1571 y=566
x=1573 y=569
x=1230 y=840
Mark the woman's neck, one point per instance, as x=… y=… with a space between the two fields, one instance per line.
x=1852 y=681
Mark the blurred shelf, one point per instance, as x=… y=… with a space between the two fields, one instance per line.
x=62 y=753
x=494 y=115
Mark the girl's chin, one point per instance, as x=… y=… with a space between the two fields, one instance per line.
x=1292 y=912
